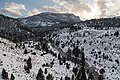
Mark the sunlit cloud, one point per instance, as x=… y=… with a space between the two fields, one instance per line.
x=115 y=8
x=77 y=7
x=13 y=9
x=85 y=9
x=94 y=9
x=33 y=12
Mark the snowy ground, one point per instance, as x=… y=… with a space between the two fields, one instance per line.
x=12 y=60
x=100 y=46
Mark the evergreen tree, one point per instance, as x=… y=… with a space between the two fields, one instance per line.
x=76 y=51
x=29 y=64
x=100 y=77
x=116 y=33
x=4 y=74
x=45 y=70
x=49 y=77
x=69 y=54
x=12 y=77
x=40 y=75
x=75 y=70
x=72 y=77
x=26 y=69
x=81 y=74
x=25 y=51
x=44 y=46
x=59 y=57
x=57 y=43
x=102 y=71
x=67 y=66
x=66 y=78
x=60 y=62
x=61 y=78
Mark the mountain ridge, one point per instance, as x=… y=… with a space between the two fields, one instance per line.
x=13 y=29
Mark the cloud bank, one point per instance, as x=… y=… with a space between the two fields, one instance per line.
x=13 y=9
x=102 y=7
x=86 y=9
x=78 y=7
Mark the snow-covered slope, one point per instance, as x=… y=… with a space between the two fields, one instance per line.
x=101 y=48
x=12 y=59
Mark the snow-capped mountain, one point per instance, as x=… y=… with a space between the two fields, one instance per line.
x=49 y=21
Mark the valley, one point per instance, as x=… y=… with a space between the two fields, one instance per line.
x=52 y=46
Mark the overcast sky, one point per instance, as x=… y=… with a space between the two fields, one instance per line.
x=85 y=9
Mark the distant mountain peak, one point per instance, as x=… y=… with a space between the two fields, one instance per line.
x=48 y=21
x=52 y=13
x=62 y=17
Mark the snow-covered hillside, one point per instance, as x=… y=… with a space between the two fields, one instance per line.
x=101 y=48
x=13 y=59
x=59 y=55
